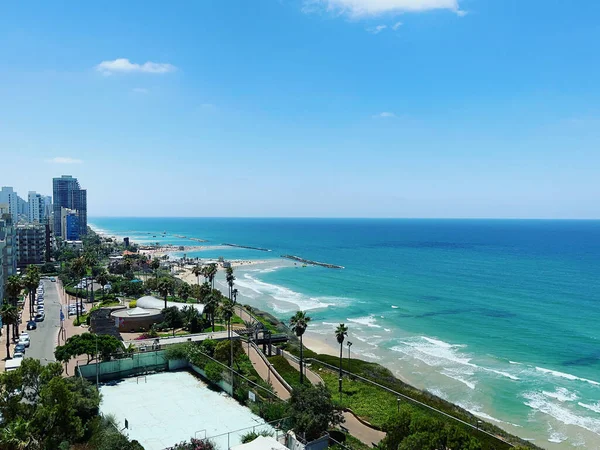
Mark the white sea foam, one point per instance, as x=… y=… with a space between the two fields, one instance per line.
x=514 y=362
x=284 y=294
x=539 y=402
x=568 y=376
x=438 y=393
x=433 y=352
x=476 y=411
x=387 y=330
x=372 y=356
x=394 y=307
x=504 y=374
x=463 y=380
x=562 y=395
x=557 y=437
x=595 y=407
x=369 y=321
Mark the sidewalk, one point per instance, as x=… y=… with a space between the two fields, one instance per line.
x=68 y=329
x=22 y=327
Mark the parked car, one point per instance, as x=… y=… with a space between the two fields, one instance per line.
x=20 y=348
x=53 y=279
x=17 y=355
x=24 y=339
x=31 y=325
x=40 y=306
x=39 y=317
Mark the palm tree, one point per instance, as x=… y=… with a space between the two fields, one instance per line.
x=10 y=316
x=102 y=279
x=184 y=291
x=78 y=268
x=211 y=303
x=204 y=291
x=212 y=273
x=16 y=435
x=155 y=265
x=197 y=271
x=340 y=333
x=230 y=279
x=164 y=288
x=31 y=281
x=13 y=288
x=227 y=311
x=298 y=324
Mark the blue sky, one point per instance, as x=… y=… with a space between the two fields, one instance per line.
x=333 y=108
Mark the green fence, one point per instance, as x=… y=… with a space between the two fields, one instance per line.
x=136 y=364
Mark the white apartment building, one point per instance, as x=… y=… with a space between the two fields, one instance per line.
x=36 y=211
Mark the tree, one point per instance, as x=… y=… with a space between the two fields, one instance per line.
x=102 y=278
x=31 y=282
x=212 y=273
x=230 y=279
x=172 y=318
x=210 y=307
x=197 y=271
x=227 y=312
x=41 y=409
x=312 y=411
x=184 y=291
x=204 y=292
x=13 y=288
x=164 y=287
x=92 y=345
x=155 y=265
x=10 y=316
x=340 y=333
x=192 y=319
x=78 y=269
x=298 y=324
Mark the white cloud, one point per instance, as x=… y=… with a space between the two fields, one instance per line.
x=366 y=8
x=140 y=90
x=396 y=26
x=64 y=160
x=123 y=65
x=385 y=115
x=377 y=29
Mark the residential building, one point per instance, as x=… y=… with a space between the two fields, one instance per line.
x=76 y=246
x=9 y=196
x=36 y=207
x=22 y=208
x=31 y=244
x=8 y=257
x=69 y=224
x=47 y=206
x=67 y=193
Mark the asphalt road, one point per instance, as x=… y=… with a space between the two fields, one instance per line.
x=43 y=339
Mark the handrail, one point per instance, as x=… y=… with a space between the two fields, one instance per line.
x=406 y=397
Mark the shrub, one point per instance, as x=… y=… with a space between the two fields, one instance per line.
x=133 y=304
x=213 y=372
x=249 y=437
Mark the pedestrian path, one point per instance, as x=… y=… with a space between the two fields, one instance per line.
x=265 y=370
x=355 y=427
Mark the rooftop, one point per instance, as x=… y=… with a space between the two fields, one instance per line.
x=167 y=408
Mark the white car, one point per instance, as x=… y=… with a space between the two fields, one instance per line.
x=24 y=339
x=17 y=355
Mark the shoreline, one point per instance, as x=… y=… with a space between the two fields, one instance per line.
x=541 y=427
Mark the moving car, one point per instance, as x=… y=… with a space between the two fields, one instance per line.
x=31 y=325
x=53 y=279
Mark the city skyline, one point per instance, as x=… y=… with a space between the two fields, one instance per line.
x=322 y=108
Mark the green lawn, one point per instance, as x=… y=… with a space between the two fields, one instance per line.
x=289 y=374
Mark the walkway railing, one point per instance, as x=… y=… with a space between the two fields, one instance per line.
x=410 y=399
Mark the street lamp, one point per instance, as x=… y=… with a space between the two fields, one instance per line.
x=349 y=344
x=398 y=400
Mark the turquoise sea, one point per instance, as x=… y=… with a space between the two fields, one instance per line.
x=499 y=316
